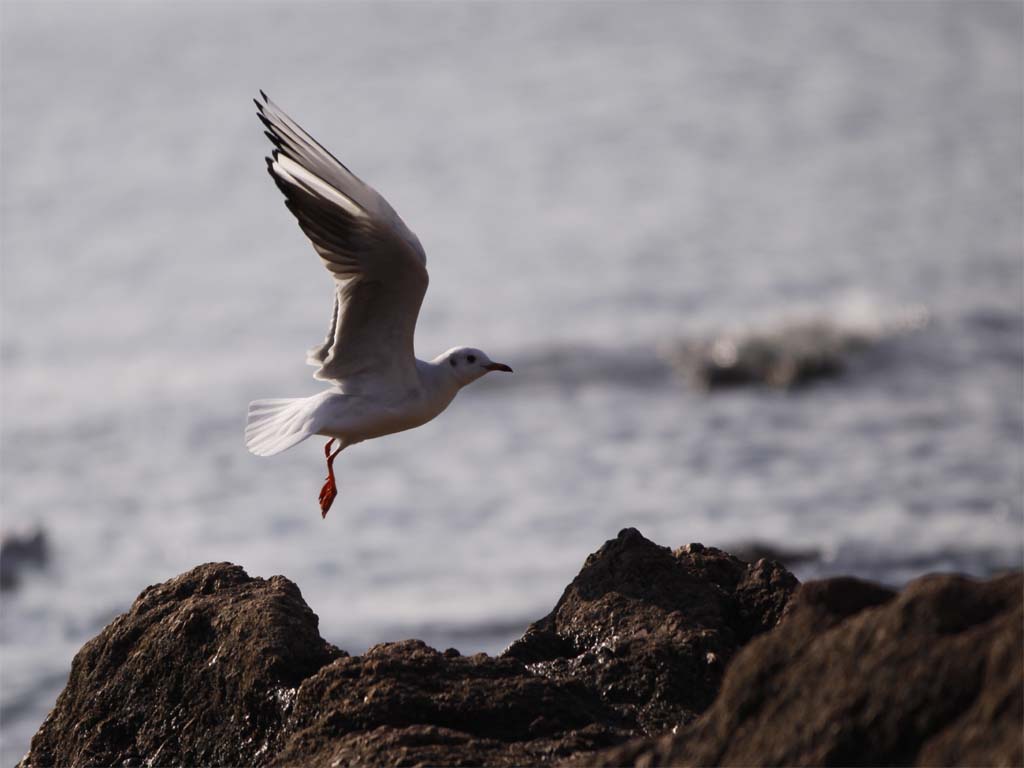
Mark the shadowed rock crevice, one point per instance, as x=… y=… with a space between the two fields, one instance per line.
x=650 y=657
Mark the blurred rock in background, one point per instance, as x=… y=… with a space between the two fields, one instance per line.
x=788 y=355
x=20 y=551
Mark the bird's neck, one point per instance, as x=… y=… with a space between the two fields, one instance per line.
x=438 y=381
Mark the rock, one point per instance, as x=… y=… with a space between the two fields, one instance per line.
x=782 y=358
x=601 y=668
x=754 y=550
x=792 y=353
x=652 y=630
x=857 y=675
x=21 y=551
x=215 y=667
x=201 y=671
x=406 y=703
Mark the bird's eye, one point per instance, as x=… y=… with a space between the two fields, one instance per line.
x=452 y=361
x=471 y=359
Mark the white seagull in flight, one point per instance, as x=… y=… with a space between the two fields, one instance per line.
x=377 y=385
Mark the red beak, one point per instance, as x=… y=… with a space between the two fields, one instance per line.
x=498 y=367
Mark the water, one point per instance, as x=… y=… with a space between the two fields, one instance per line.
x=591 y=182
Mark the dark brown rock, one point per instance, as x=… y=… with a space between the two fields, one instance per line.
x=652 y=630
x=406 y=703
x=200 y=671
x=217 y=668
x=856 y=675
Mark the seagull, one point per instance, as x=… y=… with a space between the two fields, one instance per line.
x=377 y=386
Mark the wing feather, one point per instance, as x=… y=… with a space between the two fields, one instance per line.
x=318 y=354
x=377 y=263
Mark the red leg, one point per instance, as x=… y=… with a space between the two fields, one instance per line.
x=330 y=489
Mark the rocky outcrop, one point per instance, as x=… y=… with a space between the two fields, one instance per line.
x=858 y=675
x=407 y=703
x=217 y=668
x=201 y=671
x=652 y=630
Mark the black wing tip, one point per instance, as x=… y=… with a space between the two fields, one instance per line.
x=266 y=121
x=261 y=108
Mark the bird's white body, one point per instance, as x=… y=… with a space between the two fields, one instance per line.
x=376 y=384
x=275 y=425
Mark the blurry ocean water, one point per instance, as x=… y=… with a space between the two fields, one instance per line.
x=591 y=182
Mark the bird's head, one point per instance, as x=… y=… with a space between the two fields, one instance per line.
x=467 y=364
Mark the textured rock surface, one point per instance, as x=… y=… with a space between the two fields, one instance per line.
x=200 y=671
x=217 y=668
x=857 y=675
x=651 y=630
x=407 y=703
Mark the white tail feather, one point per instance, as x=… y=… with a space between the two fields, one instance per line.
x=276 y=425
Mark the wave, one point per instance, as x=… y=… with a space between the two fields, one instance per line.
x=791 y=351
x=780 y=352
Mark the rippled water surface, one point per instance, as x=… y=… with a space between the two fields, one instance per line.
x=591 y=183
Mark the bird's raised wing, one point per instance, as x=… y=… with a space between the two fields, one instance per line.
x=377 y=263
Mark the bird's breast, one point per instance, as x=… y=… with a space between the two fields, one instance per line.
x=365 y=418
